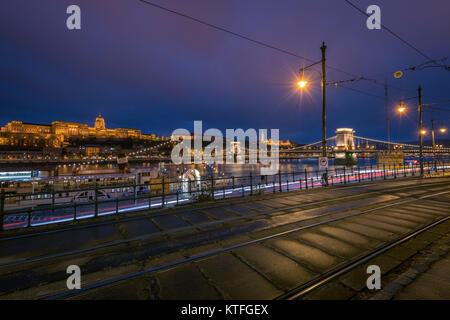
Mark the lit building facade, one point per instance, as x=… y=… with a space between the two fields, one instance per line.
x=58 y=133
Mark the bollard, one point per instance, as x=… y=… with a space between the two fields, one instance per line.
x=251 y=184
x=371 y=173
x=178 y=198
x=74 y=211
x=243 y=192
x=117 y=205
x=223 y=192
x=359 y=174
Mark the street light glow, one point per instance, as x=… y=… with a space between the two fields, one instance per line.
x=443 y=130
x=302 y=83
x=423 y=132
x=401 y=109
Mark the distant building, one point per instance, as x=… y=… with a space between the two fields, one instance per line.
x=58 y=133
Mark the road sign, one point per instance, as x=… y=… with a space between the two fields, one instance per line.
x=323 y=163
x=34 y=173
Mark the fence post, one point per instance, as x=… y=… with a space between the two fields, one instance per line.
x=212 y=186
x=251 y=184
x=345 y=182
x=163 y=196
x=279 y=178
x=74 y=210
x=243 y=192
x=371 y=173
x=2 y=208
x=96 y=199
x=306 y=179
x=233 y=182
x=149 y=196
x=29 y=217
x=53 y=198
x=359 y=174
x=177 y=197
x=117 y=205
x=134 y=191
x=223 y=190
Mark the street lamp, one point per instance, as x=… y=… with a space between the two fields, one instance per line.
x=302 y=84
x=443 y=130
x=421 y=132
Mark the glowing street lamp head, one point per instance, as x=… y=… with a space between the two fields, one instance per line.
x=401 y=109
x=302 y=83
x=423 y=132
x=443 y=130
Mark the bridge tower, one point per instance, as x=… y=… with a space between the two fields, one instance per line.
x=345 y=147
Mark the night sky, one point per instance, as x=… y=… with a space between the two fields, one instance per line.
x=141 y=67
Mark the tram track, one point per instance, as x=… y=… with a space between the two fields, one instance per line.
x=285 y=210
x=330 y=220
x=298 y=291
x=324 y=279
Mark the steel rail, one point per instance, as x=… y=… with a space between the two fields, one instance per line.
x=218 y=251
x=334 y=274
x=207 y=224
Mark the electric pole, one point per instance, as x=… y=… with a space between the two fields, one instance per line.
x=324 y=132
x=420 y=132
x=387 y=115
x=432 y=133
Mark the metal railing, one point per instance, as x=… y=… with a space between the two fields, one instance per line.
x=35 y=209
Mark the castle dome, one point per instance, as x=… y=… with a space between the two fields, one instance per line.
x=99 y=122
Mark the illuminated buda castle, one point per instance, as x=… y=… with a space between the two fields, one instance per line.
x=59 y=133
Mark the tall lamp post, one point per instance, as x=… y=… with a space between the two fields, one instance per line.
x=323 y=48
x=302 y=83
x=420 y=132
x=401 y=109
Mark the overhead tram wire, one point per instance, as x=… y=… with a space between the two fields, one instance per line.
x=287 y=52
x=393 y=33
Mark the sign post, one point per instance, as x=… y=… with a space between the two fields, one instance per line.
x=323 y=163
x=323 y=166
